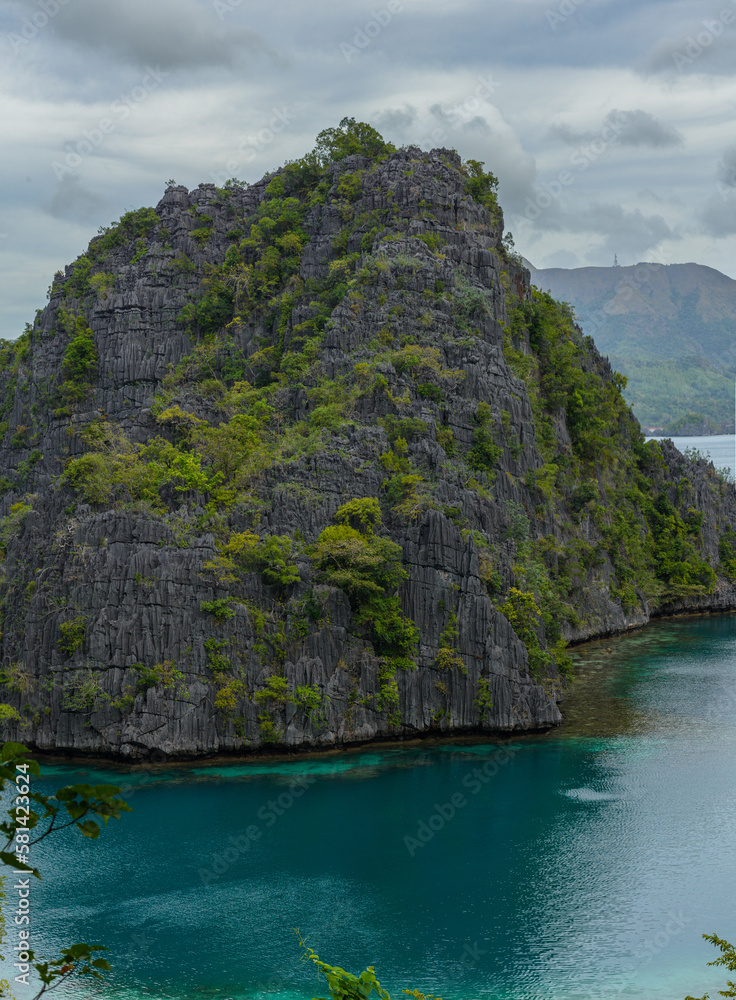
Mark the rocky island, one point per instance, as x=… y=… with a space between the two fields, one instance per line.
x=309 y=462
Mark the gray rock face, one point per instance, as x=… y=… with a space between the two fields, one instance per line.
x=145 y=667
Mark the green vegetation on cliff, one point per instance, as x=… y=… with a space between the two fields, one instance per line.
x=653 y=541
x=668 y=329
x=371 y=444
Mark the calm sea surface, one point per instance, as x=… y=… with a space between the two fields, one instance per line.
x=581 y=864
x=718 y=447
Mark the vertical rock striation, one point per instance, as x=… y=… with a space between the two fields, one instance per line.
x=260 y=357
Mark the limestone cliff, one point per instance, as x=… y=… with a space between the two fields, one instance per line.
x=188 y=420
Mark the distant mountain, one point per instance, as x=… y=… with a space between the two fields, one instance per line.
x=670 y=328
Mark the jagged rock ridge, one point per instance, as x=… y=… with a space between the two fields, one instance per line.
x=208 y=388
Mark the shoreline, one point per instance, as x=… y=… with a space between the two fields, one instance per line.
x=665 y=616
x=158 y=761
x=471 y=737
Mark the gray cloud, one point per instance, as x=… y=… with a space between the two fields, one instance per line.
x=727 y=167
x=632 y=227
x=453 y=117
x=642 y=129
x=396 y=120
x=611 y=228
x=630 y=234
x=632 y=128
x=707 y=45
x=71 y=200
x=569 y=135
x=718 y=216
x=173 y=34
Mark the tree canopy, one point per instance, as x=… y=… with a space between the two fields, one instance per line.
x=334 y=144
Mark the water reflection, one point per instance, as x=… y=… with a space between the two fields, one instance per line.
x=669 y=674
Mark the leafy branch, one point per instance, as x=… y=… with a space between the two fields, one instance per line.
x=73 y=805
x=727 y=958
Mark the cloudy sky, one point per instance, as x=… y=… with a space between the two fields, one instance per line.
x=610 y=123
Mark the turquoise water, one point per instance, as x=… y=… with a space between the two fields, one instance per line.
x=584 y=863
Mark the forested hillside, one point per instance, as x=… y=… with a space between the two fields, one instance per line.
x=670 y=329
